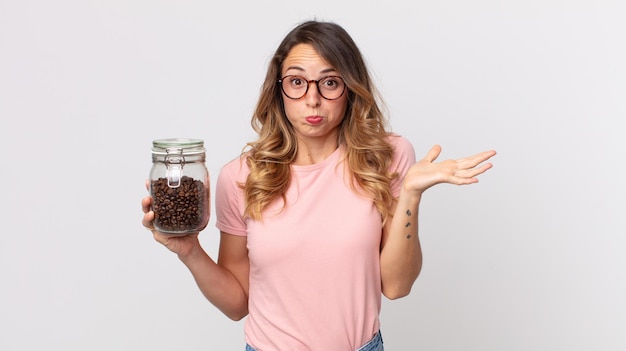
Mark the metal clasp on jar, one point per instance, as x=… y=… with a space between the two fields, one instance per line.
x=174 y=163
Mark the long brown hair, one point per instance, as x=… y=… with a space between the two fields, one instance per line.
x=362 y=131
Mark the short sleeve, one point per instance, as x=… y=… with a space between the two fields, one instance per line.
x=229 y=201
x=403 y=159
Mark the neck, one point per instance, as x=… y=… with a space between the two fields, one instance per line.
x=314 y=151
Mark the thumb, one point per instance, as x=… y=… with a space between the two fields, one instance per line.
x=433 y=153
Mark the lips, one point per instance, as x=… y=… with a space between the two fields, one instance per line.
x=314 y=119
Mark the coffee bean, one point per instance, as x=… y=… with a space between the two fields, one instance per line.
x=179 y=210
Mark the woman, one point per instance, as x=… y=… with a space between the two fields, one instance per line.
x=318 y=217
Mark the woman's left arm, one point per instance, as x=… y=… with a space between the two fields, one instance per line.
x=401 y=253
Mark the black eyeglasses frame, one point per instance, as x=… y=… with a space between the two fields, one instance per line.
x=308 y=85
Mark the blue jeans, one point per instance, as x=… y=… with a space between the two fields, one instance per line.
x=376 y=344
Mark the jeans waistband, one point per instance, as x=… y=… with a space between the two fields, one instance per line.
x=375 y=344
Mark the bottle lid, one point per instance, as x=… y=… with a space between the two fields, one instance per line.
x=184 y=146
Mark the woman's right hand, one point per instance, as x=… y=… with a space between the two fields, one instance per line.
x=181 y=245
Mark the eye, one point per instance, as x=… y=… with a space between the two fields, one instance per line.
x=297 y=82
x=331 y=83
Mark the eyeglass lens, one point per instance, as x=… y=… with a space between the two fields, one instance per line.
x=295 y=87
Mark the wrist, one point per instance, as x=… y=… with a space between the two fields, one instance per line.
x=410 y=196
x=193 y=253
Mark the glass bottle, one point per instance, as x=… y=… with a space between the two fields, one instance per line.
x=179 y=186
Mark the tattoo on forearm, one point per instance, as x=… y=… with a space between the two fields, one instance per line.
x=408 y=224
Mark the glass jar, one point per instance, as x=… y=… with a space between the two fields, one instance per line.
x=179 y=186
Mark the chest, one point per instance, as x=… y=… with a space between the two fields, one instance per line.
x=324 y=220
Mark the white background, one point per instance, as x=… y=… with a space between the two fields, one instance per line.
x=531 y=258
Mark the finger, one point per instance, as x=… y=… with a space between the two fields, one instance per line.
x=147 y=184
x=473 y=161
x=480 y=170
x=147 y=220
x=433 y=153
x=464 y=181
x=483 y=156
x=470 y=174
x=145 y=204
x=148 y=216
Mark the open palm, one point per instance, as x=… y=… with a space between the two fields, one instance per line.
x=426 y=173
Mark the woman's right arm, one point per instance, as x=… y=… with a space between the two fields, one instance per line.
x=225 y=282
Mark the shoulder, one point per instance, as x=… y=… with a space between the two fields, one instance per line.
x=236 y=168
x=400 y=144
x=229 y=197
x=403 y=153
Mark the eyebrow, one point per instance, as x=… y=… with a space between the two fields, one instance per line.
x=298 y=68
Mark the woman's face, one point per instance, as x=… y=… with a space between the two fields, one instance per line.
x=313 y=117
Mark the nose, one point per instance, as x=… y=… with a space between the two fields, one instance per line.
x=313 y=96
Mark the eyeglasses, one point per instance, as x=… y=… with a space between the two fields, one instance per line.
x=296 y=87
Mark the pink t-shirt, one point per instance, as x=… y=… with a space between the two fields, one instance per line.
x=314 y=266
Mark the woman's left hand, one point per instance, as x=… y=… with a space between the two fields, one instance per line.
x=426 y=173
